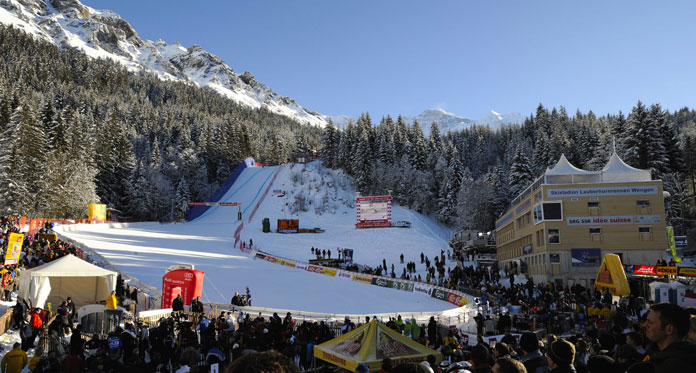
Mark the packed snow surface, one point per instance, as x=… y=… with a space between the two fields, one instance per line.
x=144 y=250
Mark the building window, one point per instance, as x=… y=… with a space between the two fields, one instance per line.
x=538 y=214
x=548 y=211
x=554 y=236
x=595 y=230
x=644 y=230
x=554 y=258
x=553 y=211
x=593 y=205
x=642 y=203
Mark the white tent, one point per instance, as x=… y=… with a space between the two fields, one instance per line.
x=68 y=276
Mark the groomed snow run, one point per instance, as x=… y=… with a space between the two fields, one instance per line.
x=144 y=250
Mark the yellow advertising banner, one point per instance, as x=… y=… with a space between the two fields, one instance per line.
x=611 y=275
x=666 y=271
x=672 y=245
x=14 y=248
x=96 y=212
x=687 y=271
x=366 y=279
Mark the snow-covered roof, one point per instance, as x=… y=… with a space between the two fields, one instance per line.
x=563 y=167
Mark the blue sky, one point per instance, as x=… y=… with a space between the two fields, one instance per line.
x=466 y=57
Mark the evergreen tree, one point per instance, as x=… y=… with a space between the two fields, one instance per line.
x=520 y=173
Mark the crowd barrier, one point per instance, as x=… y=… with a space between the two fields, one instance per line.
x=5 y=321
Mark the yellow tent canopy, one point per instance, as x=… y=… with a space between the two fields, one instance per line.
x=369 y=344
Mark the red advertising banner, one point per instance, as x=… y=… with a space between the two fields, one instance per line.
x=187 y=282
x=645 y=270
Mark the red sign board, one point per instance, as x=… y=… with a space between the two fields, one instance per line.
x=645 y=270
x=187 y=282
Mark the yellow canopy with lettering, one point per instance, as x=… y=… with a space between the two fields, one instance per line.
x=369 y=344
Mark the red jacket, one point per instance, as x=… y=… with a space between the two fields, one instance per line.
x=36 y=321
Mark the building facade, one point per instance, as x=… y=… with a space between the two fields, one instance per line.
x=558 y=229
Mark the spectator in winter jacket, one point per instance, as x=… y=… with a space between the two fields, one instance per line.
x=666 y=326
x=14 y=361
x=111 y=301
x=178 y=304
x=530 y=355
x=35 y=359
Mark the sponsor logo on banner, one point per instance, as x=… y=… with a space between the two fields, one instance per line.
x=420 y=288
x=439 y=294
x=392 y=284
x=261 y=256
x=14 y=248
x=644 y=270
x=344 y=274
x=289 y=263
x=366 y=279
x=666 y=271
x=602 y=191
x=454 y=298
x=301 y=265
x=271 y=259
x=321 y=270
x=687 y=271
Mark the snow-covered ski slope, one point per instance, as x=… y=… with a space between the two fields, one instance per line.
x=144 y=250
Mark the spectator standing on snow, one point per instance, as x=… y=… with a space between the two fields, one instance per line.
x=14 y=361
x=248 y=297
x=111 y=301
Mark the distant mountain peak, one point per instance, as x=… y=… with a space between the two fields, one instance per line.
x=104 y=34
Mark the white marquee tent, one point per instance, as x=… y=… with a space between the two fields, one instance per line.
x=68 y=276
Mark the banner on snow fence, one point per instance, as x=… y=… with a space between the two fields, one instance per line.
x=322 y=270
x=386 y=283
x=365 y=279
x=423 y=289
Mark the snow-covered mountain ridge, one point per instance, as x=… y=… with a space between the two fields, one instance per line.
x=446 y=121
x=104 y=34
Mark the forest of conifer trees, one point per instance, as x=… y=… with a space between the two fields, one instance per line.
x=468 y=178
x=77 y=130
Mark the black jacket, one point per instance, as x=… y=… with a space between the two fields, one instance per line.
x=564 y=369
x=677 y=357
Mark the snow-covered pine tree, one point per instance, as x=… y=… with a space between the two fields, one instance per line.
x=14 y=189
x=329 y=141
x=644 y=147
x=181 y=197
x=521 y=175
x=419 y=150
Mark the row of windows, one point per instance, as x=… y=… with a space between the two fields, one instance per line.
x=554 y=235
x=639 y=203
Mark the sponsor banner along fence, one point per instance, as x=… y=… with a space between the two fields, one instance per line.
x=454 y=297
x=365 y=279
x=660 y=270
x=388 y=283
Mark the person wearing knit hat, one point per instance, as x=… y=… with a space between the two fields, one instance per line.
x=560 y=357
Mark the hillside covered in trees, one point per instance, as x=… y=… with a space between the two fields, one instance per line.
x=77 y=130
x=468 y=178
